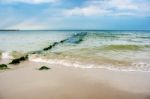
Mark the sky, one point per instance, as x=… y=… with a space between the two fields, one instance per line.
x=75 y=14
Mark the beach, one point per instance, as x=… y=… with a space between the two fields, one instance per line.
x=75 y=49
x=25 y=81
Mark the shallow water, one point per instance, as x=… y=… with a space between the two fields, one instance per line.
x=120 y=50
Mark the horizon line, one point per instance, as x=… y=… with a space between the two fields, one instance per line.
x=74 y=30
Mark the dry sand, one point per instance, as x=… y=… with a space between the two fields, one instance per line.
x=26 y=82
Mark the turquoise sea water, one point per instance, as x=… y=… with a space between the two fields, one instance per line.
x=121 y=50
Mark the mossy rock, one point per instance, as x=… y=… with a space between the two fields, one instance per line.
x=44 y=68
x=3 y=66
x=51 y=46
x=18 y=60
x=15 y=61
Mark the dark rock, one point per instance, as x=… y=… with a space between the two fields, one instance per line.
x=45 y=49
x=51 y=46
x=22 y=58
x=15 y=61
x=75 y=39
x=3 y=66
x=18 y=60
x=55 y=43
x=62 y=41
x=44 y=68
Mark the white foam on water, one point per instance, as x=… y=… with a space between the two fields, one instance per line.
x=6 y=55
x=68 y=63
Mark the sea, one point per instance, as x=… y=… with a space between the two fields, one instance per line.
x=110 y=49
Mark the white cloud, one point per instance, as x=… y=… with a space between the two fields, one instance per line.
x=29 y=1
x=110 y=7
x=123 y=5
x=86 y=11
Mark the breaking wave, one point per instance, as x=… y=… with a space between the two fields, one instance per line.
x=141 y=66
x=11 y=55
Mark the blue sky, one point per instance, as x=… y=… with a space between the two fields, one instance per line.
x=75 y=14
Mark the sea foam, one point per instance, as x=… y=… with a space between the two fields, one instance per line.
x=6 y=55
x=141 y=66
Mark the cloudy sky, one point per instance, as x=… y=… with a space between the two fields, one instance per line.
x=75 y=14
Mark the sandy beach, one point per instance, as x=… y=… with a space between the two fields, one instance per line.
x=25 y=81
x=75 y=49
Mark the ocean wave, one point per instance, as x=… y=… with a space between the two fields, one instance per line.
x=114 y=50
x=129 y=47
x=6 y=55
x=11 y=54
x=139 y=66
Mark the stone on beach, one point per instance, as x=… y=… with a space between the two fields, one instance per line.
x=3 y=66
x=17 y=61
x=44 y=68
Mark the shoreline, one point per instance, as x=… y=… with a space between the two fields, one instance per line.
x=82 y=66
x=26 y=82
x=5 y=61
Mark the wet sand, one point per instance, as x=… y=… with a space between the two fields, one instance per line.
x=25 y=81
